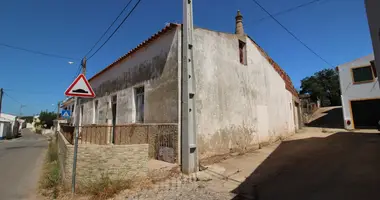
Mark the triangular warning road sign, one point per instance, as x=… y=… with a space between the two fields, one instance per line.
x=80 y=88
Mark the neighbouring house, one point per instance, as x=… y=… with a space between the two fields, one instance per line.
x=5 y=129
x=14 y=124
x=373 y=15
x=243 y=97
x=36 y=126
x=309 y=105
x=68 y=104
x=22 y=124
x=360 y=93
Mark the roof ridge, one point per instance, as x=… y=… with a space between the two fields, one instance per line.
x=169 y=26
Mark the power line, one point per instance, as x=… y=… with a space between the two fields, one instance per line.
x=130 y=12
x=37 y=52
x=28 y=92
x=6 y=94
x=290 y=9
x=294 y=36
x=97 y=42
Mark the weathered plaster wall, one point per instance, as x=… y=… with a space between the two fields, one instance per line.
x=350 y=91
x=237 y=105
x=156 y=68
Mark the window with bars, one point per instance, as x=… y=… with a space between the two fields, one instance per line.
x=96 y=111
x=139 y=103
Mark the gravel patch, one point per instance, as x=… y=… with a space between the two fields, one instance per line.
x=188 y=191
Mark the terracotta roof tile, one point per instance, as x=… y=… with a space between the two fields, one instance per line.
x=288 y=83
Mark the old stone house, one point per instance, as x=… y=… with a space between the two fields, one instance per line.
x=243 y=97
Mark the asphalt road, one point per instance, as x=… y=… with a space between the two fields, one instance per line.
x=21 y=160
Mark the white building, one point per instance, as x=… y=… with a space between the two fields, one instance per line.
x=13 y=124
x=360 y=93
x=242 y=96
x=373 y=15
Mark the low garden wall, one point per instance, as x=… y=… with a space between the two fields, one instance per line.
x=161 y=137
x=93 y=161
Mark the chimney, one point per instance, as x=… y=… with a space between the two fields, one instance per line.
x=239 y=30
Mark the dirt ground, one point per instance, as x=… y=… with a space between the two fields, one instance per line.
x=313 y=164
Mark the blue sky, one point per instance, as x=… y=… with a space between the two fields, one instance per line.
x=335 y=29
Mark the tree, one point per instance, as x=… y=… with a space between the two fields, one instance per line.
x=47 y=118
x=28 y=119
x=323 y=85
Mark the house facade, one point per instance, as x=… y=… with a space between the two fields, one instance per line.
x=243 y=97
x=373 y=15
x=12 y=128
x=360 y=93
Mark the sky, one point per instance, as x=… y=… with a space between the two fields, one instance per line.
x=335 y=29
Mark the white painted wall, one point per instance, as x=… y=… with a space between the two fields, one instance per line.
x=5 y=129
x=12 y=120
x=373 y=15
x=237 y=105
x=350 y=91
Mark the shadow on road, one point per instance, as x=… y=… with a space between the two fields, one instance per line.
x=344 y=165
x=332 y=119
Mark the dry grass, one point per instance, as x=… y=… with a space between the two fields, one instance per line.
x=51 y=177
x=105 y=187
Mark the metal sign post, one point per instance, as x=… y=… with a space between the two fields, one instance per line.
x=80 y=88
x=76 y=122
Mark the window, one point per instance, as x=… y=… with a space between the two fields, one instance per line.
x=81 y=115
x=113 y=109
x=242 y=53
x=362 y=74
x=95 y=111
x=139 y=103
x=373 y=66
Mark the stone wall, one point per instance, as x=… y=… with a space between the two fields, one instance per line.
x=116 y=161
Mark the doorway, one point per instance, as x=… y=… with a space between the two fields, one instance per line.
x=365 y=113
x=113 y=107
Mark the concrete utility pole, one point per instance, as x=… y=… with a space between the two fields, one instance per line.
x=84 y=66
x=76 y=122
x=56 y=126
x=189 y=156
x=21 y=106
x=1 y=98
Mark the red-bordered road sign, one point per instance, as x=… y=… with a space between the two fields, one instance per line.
x=80 y=88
